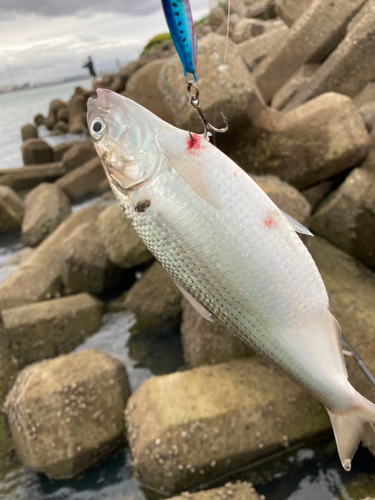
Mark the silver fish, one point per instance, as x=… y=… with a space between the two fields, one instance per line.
x=230 y=250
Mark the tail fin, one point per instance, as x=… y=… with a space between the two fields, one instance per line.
x=347 y=428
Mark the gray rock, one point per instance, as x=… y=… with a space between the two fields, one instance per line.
x=39 y=278
x=63 y=114
x=11 y=210
x=39 y=120
x=84 y=180
x=261 y=9
x=24 y=179
x=123 y=245
x=205 y=422
x=77 y=114
x=251 y=28
x=67 y=413
x=366 y=95
x=36 y=151
x=316 y=194
x=78 y=155
x=29 y=131
x=305 y=146
x=61 y=149
x=311 y=38
x=238 y=99
x=231 y=491
x=54 y=108
x=45 y=329
x=291 y=10
x=206 y=342
x=19 y=257
x=60 y=127
x=155 y=296
x=369 y=162
x=234 y=18
x=85 y=264
x=216 y=17
x=292 y=86
x=127 y=70
x=367 y=112
x=286 y=197
x=350 y=67
x=46 y=207
x=141 y=88
x=347 y=217
x=256 y=49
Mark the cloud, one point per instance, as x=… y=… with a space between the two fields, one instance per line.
x=70 y=7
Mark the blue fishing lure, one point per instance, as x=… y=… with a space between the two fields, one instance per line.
x=180 y=23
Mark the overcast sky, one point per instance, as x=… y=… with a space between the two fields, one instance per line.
x=43 y=40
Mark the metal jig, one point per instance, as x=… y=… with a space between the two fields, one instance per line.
x=193 y=94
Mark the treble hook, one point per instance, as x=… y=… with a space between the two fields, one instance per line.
x=193 y=93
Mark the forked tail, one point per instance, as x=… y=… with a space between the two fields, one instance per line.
x=348 y=427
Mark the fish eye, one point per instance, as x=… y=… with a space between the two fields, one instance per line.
x=97 y=129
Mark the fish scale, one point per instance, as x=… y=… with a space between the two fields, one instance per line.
x=231 y=249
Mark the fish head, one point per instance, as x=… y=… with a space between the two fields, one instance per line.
x=124 y=136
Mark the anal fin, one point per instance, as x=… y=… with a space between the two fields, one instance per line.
x=194 y=303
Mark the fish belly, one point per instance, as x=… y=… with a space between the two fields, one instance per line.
x=252 y=273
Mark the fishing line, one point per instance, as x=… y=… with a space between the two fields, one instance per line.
x=222 y=71
x=359 y=361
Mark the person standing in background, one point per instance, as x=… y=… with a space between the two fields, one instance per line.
x=90 y=66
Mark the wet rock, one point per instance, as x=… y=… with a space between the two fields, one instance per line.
x=237 y=100
x=350 y=67
x=46 y=207
x=29 y=131
x=61 y=149
x=256 y=49
x=123 y=245
x=38 y=331
x=251 y=28
x=36 y=151
x=67 y=413
x=286 y=197
x=366 y=95
x=78 y=155
x=142 y=89
x=347 y=217
x=351 y=290
x=206 y=342
x=85 y=265
x=311 y=38
x=39 y=278
x=39 y=120
x=77 y=114
x=11 y=210
x=231 y=491
x=291 y=10
x=305 y=146
x=84 y=180
x=291 y=87
x=24 y=179
x=155 y=296
x=190 y=427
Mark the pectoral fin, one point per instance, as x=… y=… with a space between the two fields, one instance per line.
x=297 y=226
x=200 y=309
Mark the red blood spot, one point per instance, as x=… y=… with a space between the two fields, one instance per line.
x=268 y=222
x=328 y=308
x=193 y=143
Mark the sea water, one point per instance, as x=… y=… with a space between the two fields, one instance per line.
x=19 y=108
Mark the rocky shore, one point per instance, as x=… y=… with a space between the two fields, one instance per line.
x=298 y=90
